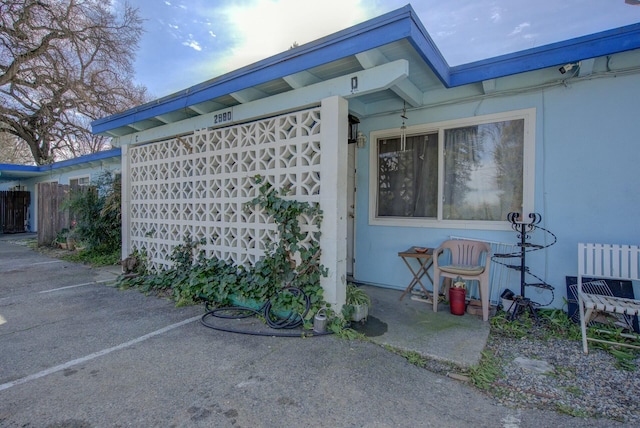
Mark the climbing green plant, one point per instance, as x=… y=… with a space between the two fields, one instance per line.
x=280 y=268
x=290 y=260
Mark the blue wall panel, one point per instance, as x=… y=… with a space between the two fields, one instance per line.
x=586 y=186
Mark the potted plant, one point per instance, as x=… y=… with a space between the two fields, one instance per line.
x=71 y=237
x=71 y=241
x=61 y=239
x=357 y=304
x=457 y=297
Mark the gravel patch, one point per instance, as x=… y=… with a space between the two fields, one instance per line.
x=578 y=384
x=538 y=372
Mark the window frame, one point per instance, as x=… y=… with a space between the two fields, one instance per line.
x=528 y=170
x=78 y=178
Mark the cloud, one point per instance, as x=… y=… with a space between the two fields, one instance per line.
x=444 y=34
x=496 y=15
x=519 y=28
x=266 y=27
x=190 y=42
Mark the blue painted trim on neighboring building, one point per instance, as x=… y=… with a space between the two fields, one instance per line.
x=106 y=154
x=397 y=25
x=35 y=171
x=18 y=168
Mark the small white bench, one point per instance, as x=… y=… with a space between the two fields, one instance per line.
x=612 y=262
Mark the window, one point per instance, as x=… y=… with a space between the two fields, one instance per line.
x=454 y=173
x=408 y=176
x=77 y=182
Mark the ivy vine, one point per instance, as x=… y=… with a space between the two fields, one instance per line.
x=290 y=260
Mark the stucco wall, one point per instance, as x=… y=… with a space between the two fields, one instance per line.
x=586 y=179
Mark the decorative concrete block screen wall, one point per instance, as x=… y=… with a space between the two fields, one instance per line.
x=198 y=185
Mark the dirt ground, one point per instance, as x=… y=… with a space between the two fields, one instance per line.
x=47 y=250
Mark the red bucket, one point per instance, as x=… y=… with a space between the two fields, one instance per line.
x=457 y=300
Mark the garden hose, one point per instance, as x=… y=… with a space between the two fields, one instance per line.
x=290 y=321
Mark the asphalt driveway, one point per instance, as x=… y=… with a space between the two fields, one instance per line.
x=76 y=352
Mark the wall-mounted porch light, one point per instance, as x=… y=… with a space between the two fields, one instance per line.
x=356 y=136
x=353 y=128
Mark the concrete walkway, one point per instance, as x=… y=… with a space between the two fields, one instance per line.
x=76 y=352
x=413 y=326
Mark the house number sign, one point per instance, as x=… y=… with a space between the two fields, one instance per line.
x=222 y=117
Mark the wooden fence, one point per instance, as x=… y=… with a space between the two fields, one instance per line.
x=14 y=211
x=51 y=219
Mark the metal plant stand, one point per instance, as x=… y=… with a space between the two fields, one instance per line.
x=523 y=304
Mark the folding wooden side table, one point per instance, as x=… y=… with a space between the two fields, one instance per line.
x=424 y=263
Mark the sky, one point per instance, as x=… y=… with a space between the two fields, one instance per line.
x=187 y=42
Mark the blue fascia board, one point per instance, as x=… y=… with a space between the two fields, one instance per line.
x=93 y=157
x=426 y=47
x=18 y=168
x=400 y=24
x=555 y=54
x=10 y=172
x=43 y=169
x=385 y=29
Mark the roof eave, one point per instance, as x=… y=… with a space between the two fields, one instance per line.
x=591 y=46
x=22 y=172
x=393 y=26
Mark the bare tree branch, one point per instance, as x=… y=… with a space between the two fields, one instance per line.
x=64 y=63
x=13 y=153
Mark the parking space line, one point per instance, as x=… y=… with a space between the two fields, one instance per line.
x=11 y=267
x=18 y=296
x=89 y=357
x=76 y=285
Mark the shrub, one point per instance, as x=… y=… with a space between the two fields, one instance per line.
x=97 y=216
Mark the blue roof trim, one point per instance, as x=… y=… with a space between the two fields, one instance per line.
x=18 y=168
x=559 y=53
x=426 y=47
x=93 y=157
x=397 y=25
x=393 y=26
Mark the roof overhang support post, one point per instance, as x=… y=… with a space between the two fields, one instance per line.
x=334 y=112
x=125 y=181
